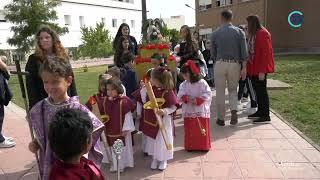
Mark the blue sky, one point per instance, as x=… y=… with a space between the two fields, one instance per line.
x=167 y=8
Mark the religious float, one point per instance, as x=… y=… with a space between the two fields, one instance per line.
x=154 y=43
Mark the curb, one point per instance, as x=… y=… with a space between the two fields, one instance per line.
x=296 y=130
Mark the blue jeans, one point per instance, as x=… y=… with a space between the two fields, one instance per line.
x=1 y=122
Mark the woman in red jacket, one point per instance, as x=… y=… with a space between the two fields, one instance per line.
x=261 y=62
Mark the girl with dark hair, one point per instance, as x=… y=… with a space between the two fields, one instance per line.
x=124 y=30
x=122 y=47
x=261 y=62
x=48 y=46
x=198 y=39
x=188 y=48
x=195 y=96
x=119 y=124
x=163 y=86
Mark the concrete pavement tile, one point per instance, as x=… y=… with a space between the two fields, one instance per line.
x=244 y=144
x=183 y=156
x=276 y=144
x=221 y=170
x=260 y=170
x=183 y=170
x=240 y=134
x=2 y=175
x=198 y=178
x=312 y=155
x=278 y=124
x=17 y=159
x=265 y=179
x=282 y=156
x=245 y=155
x=221 y=144
x=136 y=174
x=267 y=134
x=316 y=165
x=290 y=134
x=299 y=170
x=225 y=178
x=219 y=156
x=140 y=171
x=262 y=127
x=300 y=143
x=30 y=176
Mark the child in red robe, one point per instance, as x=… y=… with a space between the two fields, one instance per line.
x=72 y=125
x=96 y=101
x=155 y=146
x=195 y=95
x=118 y=120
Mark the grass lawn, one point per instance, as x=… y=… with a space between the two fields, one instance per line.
x=299 y=105
x=87 y=84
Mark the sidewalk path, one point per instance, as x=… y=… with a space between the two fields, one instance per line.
x=78 y=63
x=245 y=152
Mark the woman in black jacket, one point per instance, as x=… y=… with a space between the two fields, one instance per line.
x=124 y=30
x=48 y=45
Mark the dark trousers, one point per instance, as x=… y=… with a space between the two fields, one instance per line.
x=247 y=83
x=260 y=88
x=1 y=122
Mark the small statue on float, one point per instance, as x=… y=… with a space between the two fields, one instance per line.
x=153 y=49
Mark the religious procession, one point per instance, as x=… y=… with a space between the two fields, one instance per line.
x=152 y=82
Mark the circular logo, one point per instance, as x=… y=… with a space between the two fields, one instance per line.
x=295 y=19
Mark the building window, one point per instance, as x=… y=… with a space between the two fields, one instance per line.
x=81 y=21
x=103 y=20
x=67 y=20
x=114 y=23
x=2 y=15
x=133 y=24
x=127 y=1
x=220 y=3
x=205 y=4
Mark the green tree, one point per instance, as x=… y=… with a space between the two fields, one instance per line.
x=97 y=42
x=27 y=16
x=170 y=34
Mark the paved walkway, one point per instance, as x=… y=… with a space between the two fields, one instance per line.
x=247 y=151
x=77 y=64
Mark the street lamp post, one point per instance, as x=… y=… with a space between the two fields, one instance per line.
x=144 y=17
x=189 y=6
x=195 y=11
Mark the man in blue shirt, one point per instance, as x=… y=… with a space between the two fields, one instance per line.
x=229 y=52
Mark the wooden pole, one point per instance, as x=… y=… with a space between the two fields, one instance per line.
x=17 y=59
x=155 y=107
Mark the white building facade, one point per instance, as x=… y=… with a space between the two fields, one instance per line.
x=175 y=22
x=74 y=14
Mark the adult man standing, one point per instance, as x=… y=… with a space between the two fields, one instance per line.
x=229 y=52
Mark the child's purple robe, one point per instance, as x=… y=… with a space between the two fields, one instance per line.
x=41 y=115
